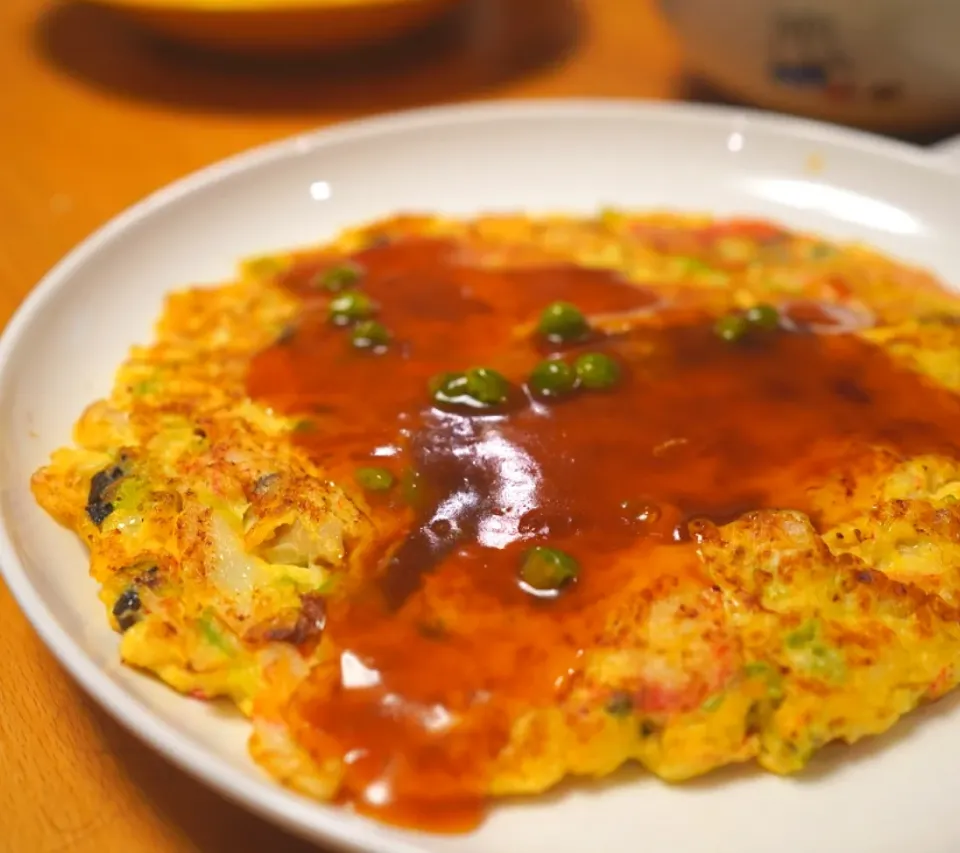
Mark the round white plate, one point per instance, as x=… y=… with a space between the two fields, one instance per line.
x=888 y=795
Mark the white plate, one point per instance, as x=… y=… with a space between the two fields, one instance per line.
x=889 y=795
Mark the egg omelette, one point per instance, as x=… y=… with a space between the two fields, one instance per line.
x=452 y=510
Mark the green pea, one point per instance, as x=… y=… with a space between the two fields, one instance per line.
x=351 y=306
x=339 y=277
x=548 y=569
x=446 y=383
x=478 y=387
x=374 y=479
x=763 y=317
x=561 y=321
x=487 y=386
x=597 y=371
x=731 y=328
x=552 y=378
x=369 y=334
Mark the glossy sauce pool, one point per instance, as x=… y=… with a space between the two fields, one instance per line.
x=440 y=648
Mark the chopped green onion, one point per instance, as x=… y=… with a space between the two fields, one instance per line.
x=802 y=635
x=374 y=479
x=713 y=702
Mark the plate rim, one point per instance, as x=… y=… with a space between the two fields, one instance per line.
x=266 y=797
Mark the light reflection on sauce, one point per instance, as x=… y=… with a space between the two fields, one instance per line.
x=440 y=649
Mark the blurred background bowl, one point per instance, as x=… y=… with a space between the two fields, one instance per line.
x=280 y=27
x=885 y=64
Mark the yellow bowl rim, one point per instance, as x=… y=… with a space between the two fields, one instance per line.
x=266 y=6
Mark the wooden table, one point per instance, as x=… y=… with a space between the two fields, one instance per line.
x=92 y=117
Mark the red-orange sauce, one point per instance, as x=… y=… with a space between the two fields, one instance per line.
x=440 y=647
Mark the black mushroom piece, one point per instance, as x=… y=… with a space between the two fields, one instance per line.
x=309 y=624
x=99 y=504
x=126 y=609
x=620 y=704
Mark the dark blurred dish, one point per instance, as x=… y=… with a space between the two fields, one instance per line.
x=273 y=27
x=889 y=64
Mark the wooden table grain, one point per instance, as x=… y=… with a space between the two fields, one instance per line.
x=92 y=117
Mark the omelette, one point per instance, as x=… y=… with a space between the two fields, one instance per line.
x=452 y=510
